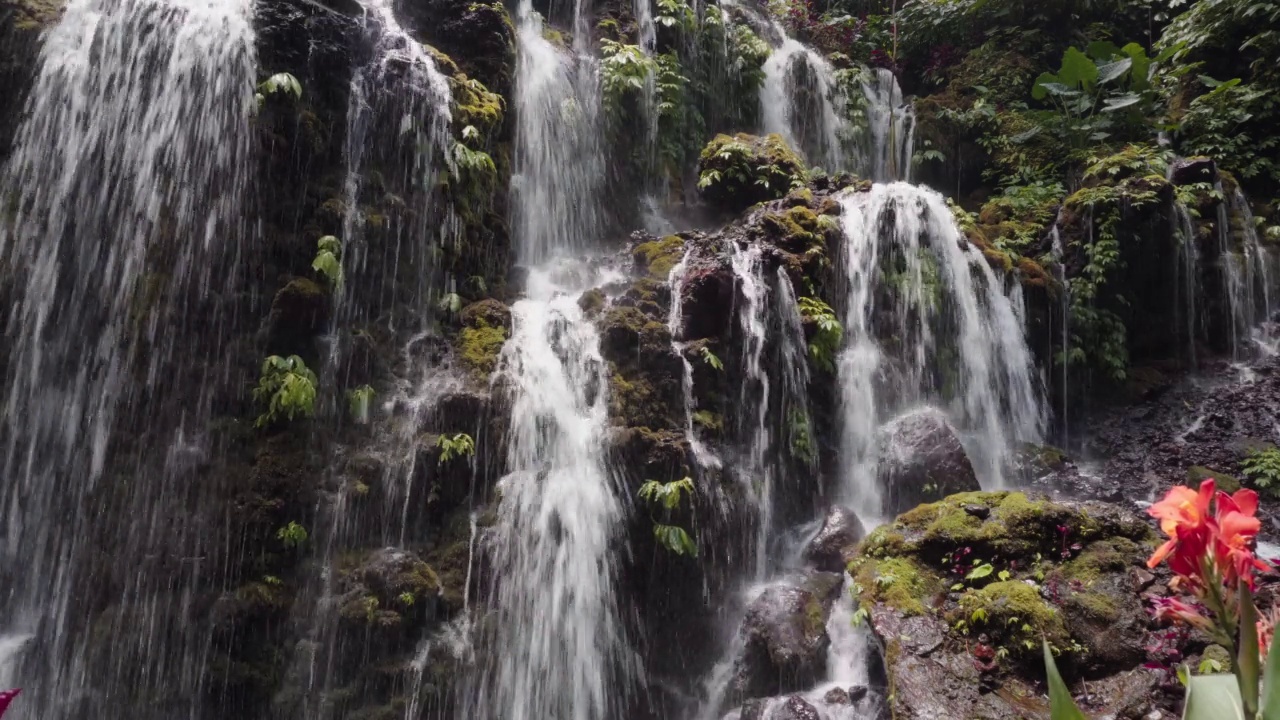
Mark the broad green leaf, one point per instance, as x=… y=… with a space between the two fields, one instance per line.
x=1077 y=70
x=1059 y=89
x=1113 y=71
x=1247 y=657
x=1212 y=697
x=1061 y=705
x=330 y=244
x=979 y=572
x=1038 y=90
x=1119 y=102
x=1271 y=684
x=1142 y=66
x=1102 y=50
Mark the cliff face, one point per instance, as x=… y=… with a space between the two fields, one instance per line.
x=342 y=563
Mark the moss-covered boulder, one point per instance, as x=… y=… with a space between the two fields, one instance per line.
x=485 y=326
x=657 y=257
x=738 y=171
x=961 y=592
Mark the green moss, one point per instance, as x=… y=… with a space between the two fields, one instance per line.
x=480 y=347
x=741 y=170
x=795 y=229
x=815 y=617
x=659 y=256
x=899 y=583
x=1197 y=474
x=1015 y=615
x=591 y=302
x=800 y=197
x=1218 y=654
x=709 y=421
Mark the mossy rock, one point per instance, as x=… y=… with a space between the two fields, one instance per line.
x=741 y=170
x=1197 y=474
x=482 y=336
x=797 y=229
x=1015 y=613
x=658 y=257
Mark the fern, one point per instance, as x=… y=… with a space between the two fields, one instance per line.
x=458 y=445
x=288 y=389
x=1262 y=467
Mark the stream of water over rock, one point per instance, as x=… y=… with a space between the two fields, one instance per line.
x=128 y=184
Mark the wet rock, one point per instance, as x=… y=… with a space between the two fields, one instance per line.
x=837 y=696
x=835 y=544
x=299 y=312
x=707 y=310
x=921 y=459
x=786 y=638
x=857 y=693
x=1188 y=171
x=796 y=708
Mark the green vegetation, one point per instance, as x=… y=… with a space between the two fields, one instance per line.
x=358 y=401
x=328 y=260
x=826 y=340
x=741 y=170
x=287 y=388
x=292 y=535
x=668 y=497
x=455 y=446
x=1262 y=468
x=282 y=85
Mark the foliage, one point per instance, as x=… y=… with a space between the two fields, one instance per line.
x=742 y=170
x=1262 y=467
x=1211 y=535
x=288 y=389
x=282 y=84
x=711 y=359
x=800 y=431
x=327 y=261
x=457 y=445
x=1099 y=92
x=668 y=494
x=668 y=497
x=825 y=344
x=358 y=403
x=292 y=535
x=1234 y=124
x=475 y=179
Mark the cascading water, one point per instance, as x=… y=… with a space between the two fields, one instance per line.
x=127 y=185
x=1248 y=270
x=800 y=101
x=559 y=635
x=675 y=321
x=558 y=640
x=957 y=339
x=891 y=121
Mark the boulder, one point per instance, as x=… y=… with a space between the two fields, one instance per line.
x=921 y=460
x=1188 y=171
x=792 y=708
x=836 y=543
x=739 y=171
x=707 y=308
x=786 y=640
x=961 y=599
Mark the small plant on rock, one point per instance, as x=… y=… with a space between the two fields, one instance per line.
x=328 y=260
x=825 y=344
x=292 y=535
x=288 y=389
x=1262 y=467
x=358 y=403
x=282 y=84
x=668 y=497
x=457 y=445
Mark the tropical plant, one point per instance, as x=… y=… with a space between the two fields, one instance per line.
x=453 y=446
x=292 y=535
x=1096 y=92
x=282 y=84
x=358 y=403
x=668 y=497
x=287 y=388
x=1262 y=467
x=825 y=343
x=711 y=359
x=328 y=260
x=1211 y=535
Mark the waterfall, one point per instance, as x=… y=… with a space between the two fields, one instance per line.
x=800 y=101
x=927 y=323
x=397 y=125
x=1189 y=267
x=559 y=648
x=558 y=633
x=559 y=158
x=127 y=187
x=1247 y=271
x=891 y=121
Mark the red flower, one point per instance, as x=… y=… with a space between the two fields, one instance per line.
x=1184 y=516
x=1233 y=541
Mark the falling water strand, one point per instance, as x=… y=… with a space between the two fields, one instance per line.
x=892 y=124
x=561 y=650
x=958 y=343
x=793 y=373
x=126 y=186
x=559 y=170
x=1188 y=289
x=675 y=323
x=754 y=397
x=800 y=100
x=1058 y=252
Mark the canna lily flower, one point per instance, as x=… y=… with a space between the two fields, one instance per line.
x=1184 y=516
x=1233 y=542
x=1174 y=609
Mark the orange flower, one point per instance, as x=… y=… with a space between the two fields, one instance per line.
x=1233 y=541
x=1184 y=516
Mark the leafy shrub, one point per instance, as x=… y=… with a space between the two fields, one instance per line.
x=1262 y=467
x=288 y=389
x=825 y=343
x=292 y=535
x=281 y=84
x=742 y=170
x=457 y=445
x=328 y=260
x=668 y=497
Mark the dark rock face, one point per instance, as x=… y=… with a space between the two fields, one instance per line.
x=835 y=544
x=1188 y=171
x=708 y=302
x=921 y=459
x=786 y=638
